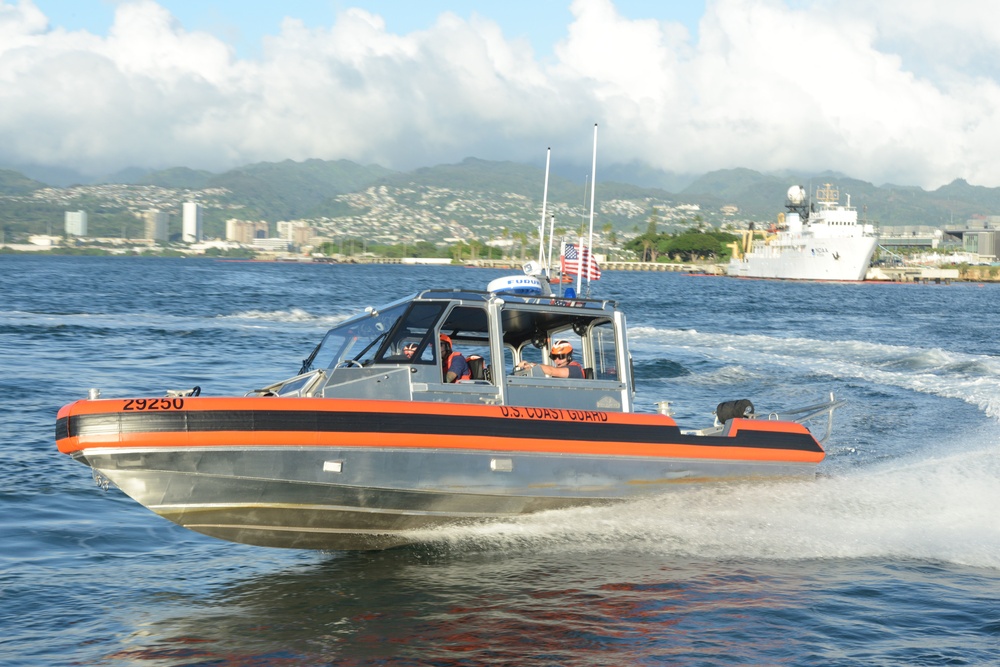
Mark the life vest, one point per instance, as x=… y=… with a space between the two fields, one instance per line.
x=583 y=374
x=467 y=375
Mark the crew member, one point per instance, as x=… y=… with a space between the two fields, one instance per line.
x=562 y=366
x=409 y=350
x=453 y=364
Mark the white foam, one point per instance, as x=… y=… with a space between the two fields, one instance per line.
x=941 y=508
x=252 y=319
x=292 y=316
x=972 y=378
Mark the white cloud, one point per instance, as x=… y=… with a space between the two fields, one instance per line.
x=901 y=92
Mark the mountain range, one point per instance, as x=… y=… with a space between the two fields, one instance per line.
x=292 y=190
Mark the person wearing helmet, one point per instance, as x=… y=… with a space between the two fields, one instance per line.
x=409 y=350
x=563 y=366
x=453 y=364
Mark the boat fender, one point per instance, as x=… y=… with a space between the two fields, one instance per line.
x=727 y=410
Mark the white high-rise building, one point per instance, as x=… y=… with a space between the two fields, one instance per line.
x=296 y=232
x=157 y=224
x=191 y=226
x=76 y=223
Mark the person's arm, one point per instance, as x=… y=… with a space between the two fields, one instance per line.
x=551 y=371
x=456 y=369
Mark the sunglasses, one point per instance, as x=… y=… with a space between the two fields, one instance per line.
x=560 y=356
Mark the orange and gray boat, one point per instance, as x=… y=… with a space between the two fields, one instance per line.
x=368 y=446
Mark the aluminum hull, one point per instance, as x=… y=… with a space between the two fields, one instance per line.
x=363 y=479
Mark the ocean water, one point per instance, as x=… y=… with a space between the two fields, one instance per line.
x=891 y=556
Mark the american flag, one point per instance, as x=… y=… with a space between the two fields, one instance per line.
x=571 y=263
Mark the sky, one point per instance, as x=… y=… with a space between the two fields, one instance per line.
x=900 y=91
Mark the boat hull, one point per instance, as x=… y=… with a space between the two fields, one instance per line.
x=837 y=259
x=336 y=474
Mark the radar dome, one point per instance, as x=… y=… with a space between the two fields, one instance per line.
x=796 y=194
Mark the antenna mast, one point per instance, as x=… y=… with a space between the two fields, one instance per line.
x=590 y=240
x=541 y=229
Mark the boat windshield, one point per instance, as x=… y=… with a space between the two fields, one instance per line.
x=357 y=340
x=412 y=339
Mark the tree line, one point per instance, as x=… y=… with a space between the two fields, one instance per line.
x=698 y=242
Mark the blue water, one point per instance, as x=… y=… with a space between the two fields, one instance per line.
x=890 y=557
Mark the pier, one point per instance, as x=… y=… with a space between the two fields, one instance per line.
x=515 y=265
x=900 y=274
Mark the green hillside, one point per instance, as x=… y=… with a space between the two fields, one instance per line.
x=179 y=177
x=762 y=196
x=483 y=176
x=288 y=190
x=15 y=183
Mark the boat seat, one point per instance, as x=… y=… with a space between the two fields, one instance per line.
x=477 y=367
x=588 y=373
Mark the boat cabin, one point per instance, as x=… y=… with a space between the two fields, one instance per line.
x=393 y=352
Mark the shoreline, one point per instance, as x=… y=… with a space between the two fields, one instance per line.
x=916 y=275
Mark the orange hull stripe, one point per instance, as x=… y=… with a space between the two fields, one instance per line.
x=87 y=407
x=430 y=441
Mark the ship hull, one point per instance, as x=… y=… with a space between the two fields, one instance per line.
x=836 y=259
x=334 y=474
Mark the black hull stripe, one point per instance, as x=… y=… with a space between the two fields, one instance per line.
x=393 y=423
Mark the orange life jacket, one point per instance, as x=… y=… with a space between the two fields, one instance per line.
x=467 y=375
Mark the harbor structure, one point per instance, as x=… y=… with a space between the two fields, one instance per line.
x=980 y=237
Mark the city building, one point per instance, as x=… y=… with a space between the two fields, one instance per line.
x=76 y=223
x=243 y=231
x=302 y=236
x=191 y=231
x=273 y=245
x=296 y=232
x=910 y=236
x=980 y=237
x=157 y=224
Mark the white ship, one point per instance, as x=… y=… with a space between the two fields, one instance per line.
x=818 y=241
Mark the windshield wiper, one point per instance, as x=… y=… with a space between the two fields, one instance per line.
x=371 y=344
x=307 y=362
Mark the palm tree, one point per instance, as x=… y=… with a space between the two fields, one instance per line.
x=654 y=219
x=522 y=239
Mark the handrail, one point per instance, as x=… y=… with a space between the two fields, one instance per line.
x=810 y=412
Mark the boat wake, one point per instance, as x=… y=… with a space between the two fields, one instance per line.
x=901 y=484
x=938 y=508
x=974 y=379
x=292 y=316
